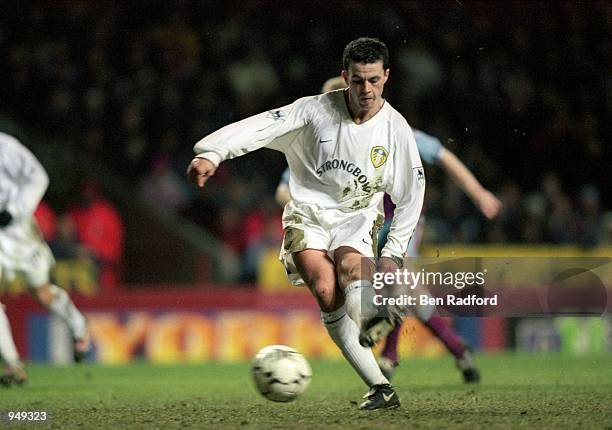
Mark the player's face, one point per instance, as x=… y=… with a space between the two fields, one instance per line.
x=366 y=83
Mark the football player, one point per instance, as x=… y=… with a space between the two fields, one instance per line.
x=345 y=149
x=23 y=182
x=432 y=152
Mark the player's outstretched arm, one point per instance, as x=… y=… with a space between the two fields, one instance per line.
x=199 y=170
x=486 y=202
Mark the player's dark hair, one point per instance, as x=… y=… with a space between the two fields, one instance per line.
x=365 y=50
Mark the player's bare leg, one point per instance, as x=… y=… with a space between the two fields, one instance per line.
x=354 y=273
x=456 y=346
x=319 y=273
x=440 y=329
x=445 y=332
x=56 y=299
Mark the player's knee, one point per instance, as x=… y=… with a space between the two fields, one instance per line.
x=324 y=292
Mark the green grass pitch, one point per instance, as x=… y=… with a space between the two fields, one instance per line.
x=518 y=391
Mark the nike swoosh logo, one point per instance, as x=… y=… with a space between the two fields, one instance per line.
x=325 y=141
x=387 y=398
x=364 y=241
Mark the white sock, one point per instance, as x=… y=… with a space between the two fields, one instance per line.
x=345 y=333
x=63 y=307
x=8 y=351
x=359 y=300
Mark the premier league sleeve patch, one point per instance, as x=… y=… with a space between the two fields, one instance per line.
x=419 y=174
x=277 y=114
x=378 y=156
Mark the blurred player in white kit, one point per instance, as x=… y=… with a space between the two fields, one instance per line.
x=23 y=182
x=345 y=149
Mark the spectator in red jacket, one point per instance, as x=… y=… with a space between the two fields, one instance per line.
x=100 y=228
x=46 y=220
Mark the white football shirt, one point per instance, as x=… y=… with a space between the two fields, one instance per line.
x=334 y=162
x=23 y=182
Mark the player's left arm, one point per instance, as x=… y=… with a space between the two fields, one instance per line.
x=407 y=190
x=486 y=202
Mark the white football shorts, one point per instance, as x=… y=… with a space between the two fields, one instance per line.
x=23 y=251
x=312 y=227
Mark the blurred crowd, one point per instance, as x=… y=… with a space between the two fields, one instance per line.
x=90 y=230
x=520 y=91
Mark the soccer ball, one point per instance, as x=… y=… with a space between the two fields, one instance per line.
x=280 y=373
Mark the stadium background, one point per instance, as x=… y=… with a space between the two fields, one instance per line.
x=111 y=96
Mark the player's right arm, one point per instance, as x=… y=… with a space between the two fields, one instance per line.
x=246 y=136
x=486 y=202
x=432 y=151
